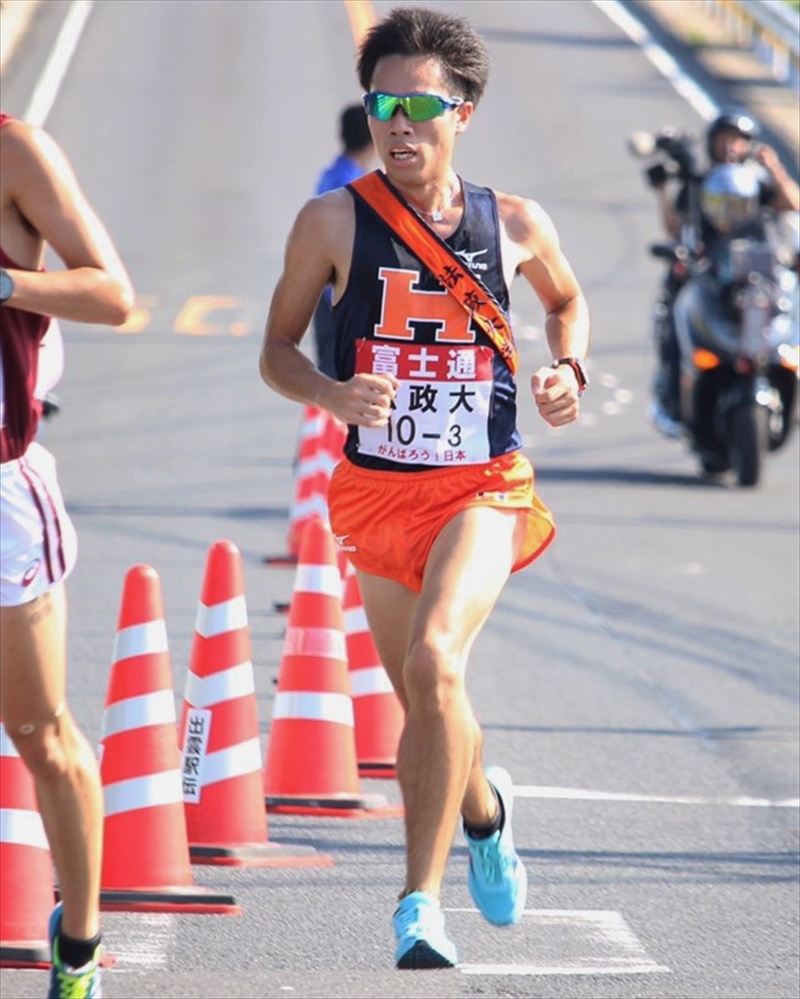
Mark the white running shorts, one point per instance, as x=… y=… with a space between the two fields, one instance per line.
x=38 y=544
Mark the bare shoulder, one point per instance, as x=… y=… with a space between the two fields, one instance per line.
x=26 y=145
x=17 y=136
x=18 y=142
x=523 y=219
x=528 y=232
x=33 y=166
x=322 y=236
x=326 y=213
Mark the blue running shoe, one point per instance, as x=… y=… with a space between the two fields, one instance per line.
x=67 y=982
x=421 y=941
x=497 y=878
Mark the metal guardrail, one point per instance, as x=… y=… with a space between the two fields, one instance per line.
x=770 y=28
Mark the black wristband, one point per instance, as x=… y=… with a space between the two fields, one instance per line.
x=577 y=366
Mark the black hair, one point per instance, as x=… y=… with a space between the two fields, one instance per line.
x=354 y=129
x=417 y=31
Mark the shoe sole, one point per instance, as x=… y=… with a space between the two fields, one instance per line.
x=421 y=956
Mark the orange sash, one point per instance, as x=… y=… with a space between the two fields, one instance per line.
x=437 y=256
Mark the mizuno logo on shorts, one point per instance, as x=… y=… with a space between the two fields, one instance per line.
x=340 y=541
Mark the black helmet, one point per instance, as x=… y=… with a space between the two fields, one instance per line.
x=737 y=118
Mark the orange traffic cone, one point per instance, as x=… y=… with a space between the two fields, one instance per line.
x=313 y=474
x=145 y=848
x=333 y=440
x=223 y=799
x=379 y=715
x=310 y=765
x=27 y=893
x=308 y=465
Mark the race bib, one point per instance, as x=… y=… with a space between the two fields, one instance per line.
x=441 y=412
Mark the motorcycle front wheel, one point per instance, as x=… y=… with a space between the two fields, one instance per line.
x=748 y=439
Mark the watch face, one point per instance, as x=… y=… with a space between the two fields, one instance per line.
x=6 y=286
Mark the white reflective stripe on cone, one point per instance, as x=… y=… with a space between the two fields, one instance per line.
x=324 y=579
x=328 y=643
x=230 y=615
x=143 y=792
x=7 y=747
x=157 y=708
x=355 y=620
x=227 y=685
x=23 y=827
x=310 y=466
x=314 y=707
x=235 y=761
x=313 y=424
x=370 y=680
x=140 y=640
x=316 y=504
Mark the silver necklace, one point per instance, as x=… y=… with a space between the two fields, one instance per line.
x=434 y=216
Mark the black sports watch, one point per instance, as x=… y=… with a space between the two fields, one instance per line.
x=6 y=286
x=577 y=366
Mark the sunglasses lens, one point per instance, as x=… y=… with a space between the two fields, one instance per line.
x=418 y=107
x=423 y=107
x=382 y=106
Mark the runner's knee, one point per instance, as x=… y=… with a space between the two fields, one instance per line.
x=432 y=676
x=43 y=744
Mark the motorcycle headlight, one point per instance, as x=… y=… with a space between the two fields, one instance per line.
x=729 y=197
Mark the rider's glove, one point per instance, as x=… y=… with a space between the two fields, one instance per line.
x=656 y=175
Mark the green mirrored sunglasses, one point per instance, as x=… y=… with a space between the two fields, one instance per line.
x=417 y=107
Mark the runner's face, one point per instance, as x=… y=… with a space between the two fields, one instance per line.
x=414 y=152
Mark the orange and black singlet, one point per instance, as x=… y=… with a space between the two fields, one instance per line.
x=456 y=405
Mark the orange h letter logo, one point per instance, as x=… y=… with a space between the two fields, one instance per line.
x=404 y=303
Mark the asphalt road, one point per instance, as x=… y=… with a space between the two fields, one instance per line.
x=640 y=681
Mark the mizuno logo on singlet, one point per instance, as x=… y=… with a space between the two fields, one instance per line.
x=468 y=256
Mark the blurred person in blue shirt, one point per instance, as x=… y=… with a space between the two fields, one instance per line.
x=354 y=160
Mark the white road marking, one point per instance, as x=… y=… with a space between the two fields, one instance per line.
x=148 y=939
x=57 y=65
x=688 y=88
x=576 y=942
x=567 y=969
x=580 y=794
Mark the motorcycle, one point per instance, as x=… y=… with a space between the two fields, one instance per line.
x=726 y=321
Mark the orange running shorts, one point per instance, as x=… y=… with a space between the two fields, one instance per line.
x=386 y=522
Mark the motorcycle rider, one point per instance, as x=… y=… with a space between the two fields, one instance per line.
x=732 y=137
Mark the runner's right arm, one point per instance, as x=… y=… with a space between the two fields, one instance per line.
x=317 y=252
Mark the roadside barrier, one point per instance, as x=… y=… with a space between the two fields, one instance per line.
x=769 y=28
